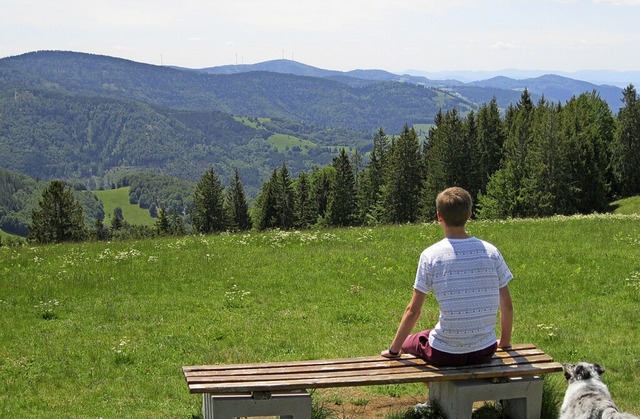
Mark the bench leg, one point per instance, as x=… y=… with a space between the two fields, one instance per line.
x=453 y=402
x=521 y=397
x=529 y=407
x=287 y=405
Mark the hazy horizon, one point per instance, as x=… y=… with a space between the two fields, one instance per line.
x=428 y=35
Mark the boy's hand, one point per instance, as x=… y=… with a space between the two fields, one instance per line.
x=389 y=355
x=504 y=344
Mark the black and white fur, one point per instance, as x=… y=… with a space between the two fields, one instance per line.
x=587 y=397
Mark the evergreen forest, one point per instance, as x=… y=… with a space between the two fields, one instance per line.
x=197 y=166
x=540 y=159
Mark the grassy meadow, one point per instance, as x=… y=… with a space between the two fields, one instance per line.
x=283 y=141
x=133 y=214
x=103 y=329
x=6 y=237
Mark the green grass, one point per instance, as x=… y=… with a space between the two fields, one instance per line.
x=248 y=122
x=133 y=214
x=6 y=238
x=626 y=206
x=103 y=329
x=423 y=129
x=282 y=141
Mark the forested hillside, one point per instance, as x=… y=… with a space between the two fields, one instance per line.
x=311 y=100
x=53 y=135
x=305 y=147
x=553 y=87
x=20 y=194
x=79 y=116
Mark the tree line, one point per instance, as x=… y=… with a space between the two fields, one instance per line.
x=537 y=160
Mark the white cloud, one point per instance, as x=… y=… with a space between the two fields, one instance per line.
x=337 y=34
x=620 y=2
x=504 y=45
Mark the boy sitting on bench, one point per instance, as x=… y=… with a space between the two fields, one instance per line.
x=469 y=279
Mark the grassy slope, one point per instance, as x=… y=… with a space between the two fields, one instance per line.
x=282 y=141
x=133 y=214
x=627 y=206
x=6 y=236
x=102 y=329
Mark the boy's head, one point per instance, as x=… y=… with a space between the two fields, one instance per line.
x=454 y=206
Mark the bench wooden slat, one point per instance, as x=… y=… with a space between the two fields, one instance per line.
x=342 y=370
x=412 y=377
x=523 y=349
x=521 y=360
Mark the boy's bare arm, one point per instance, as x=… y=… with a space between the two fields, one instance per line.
x=409 y=319
x=506 y=318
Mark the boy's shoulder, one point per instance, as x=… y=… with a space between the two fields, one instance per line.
x=471 y=243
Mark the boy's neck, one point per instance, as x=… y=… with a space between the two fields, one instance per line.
x=454 y=232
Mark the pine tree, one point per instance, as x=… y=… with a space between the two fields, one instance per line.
x=285 y=199
x=356 y=163
x=236 y=203
x=100 y=232
x=266 y=214
x=505 y=194
x=177 y=225
x=404 y=178
x=303 y=207
x=59 y=218
x=370 y=194
x=545 y=184
x=489 y=141
x=625 y=149
x=588 y=130
x=117 y=221
x=163 y=226
x=342 y=204
x=208 y=214
x=470 y=175
x=448 y=158
x=322 y=181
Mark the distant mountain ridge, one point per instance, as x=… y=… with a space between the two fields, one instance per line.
x=598 y=77
x=553 y=87
x=82 y=116
x=293 y=67
x=320 y=101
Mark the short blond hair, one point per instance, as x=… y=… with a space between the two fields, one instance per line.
x=454 y=206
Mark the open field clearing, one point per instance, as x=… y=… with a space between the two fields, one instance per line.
x=103 y=329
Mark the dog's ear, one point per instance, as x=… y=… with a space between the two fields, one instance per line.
x=581 y=372
x=599 y=369
x=568 y=371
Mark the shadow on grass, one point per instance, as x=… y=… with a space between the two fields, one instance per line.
x=611 y=208
x=551 y=399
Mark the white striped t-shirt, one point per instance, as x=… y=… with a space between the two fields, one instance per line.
x=465 y=276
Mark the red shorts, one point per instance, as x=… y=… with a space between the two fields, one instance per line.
x=418 y=345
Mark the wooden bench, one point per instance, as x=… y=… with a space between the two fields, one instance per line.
x=279 y=388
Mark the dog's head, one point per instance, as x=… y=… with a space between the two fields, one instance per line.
x=582 y=371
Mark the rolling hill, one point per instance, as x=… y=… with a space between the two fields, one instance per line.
x=81 y=116
x=311 y=100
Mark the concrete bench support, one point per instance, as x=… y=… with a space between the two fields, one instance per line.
x=521 y=397
x=294 y=404
x=279 y=388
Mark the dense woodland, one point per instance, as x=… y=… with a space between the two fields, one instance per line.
x=313 y=100
x=171 y=135
x=80 y=117
x=52 y=135
x=538 y=160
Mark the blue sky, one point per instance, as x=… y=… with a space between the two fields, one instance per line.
x=427 y=35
